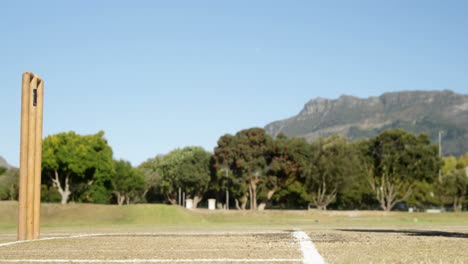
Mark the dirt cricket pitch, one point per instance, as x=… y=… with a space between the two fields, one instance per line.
x=274 y=246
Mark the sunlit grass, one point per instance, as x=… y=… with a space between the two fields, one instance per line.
x=94 y=215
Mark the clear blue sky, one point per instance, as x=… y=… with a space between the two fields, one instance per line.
x=156 y=75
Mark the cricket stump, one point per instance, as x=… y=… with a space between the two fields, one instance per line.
x=29 y=198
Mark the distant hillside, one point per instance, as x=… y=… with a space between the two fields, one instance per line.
x=356 y=118
x=4 y=163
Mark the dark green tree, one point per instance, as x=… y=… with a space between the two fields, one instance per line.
x=79 y=167
x=332 y=165
x=454 y=181
x=292 y=195
x=245 y=155
x=287 y=159
x=187 y=168
x=226 y=175
x=9 y=184
x=127 y=183
x=251 y=160
x=355 y=193
x=397 y=160
x=194 y=173
x=150 y=170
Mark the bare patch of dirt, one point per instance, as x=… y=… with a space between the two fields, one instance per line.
x=152 y=246
x=391 y=246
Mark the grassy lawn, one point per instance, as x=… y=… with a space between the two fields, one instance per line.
x=141 y=215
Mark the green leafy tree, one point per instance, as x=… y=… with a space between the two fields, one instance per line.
x=245 y=155
x=332 y=163
x=194 y=173
x=456 y=186
x=256 y=166
x=251 y=160
x=3 y=192
x=9 y=184
x=50 y=194
x=355 y=192
x=292 y=195
x=287 y=160
x=224 y=180
x=187 y=168
x=127 y=183
x=454 y=181
x=79 y=167
x=423 y=195
x=397 y=160
x=449 y=164
x=150 y=170
x=227 y=175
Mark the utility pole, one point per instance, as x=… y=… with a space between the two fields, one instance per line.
x=440 y=153
x=180 y=196
x=227 y=190
x=183 y=199
x=440 y=170
x=227 y=199
x=440 y=143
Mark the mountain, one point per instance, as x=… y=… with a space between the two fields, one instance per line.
x=356 y=118
x=4 y=163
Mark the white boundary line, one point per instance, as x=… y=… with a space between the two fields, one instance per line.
x=222 y=260
x=46 y=238
x=309 y=252
x=65 y=236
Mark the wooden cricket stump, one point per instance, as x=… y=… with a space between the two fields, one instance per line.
x=29 y=199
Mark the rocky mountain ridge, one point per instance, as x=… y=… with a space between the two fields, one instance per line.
x=355 y=118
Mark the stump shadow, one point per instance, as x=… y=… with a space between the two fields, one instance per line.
x=427 y=233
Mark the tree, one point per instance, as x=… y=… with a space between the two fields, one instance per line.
x=227 y=175
x=187 y=168
x=250 y=159
x=454 y=181
x=2 y=170
x=355 y=192
x=331 y=164
x=150 y=170
x=396 y=161
x=456 y=186
x=287 y=160
x=9 y=184
x=292 y=195
x=127 y=182
x=194 y=173
x=79 y=167
x=255 y=166
x=245 y=155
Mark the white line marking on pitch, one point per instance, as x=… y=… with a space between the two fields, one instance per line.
x=140 y=234
x=309 y=252
x=43 y=239
x=143 y=260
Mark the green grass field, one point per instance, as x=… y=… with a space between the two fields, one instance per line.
x=77 y=215
x=339 y=236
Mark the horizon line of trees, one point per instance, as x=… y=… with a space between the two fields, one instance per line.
x=259 y=172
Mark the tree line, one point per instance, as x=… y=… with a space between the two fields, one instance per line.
x=258 y=171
